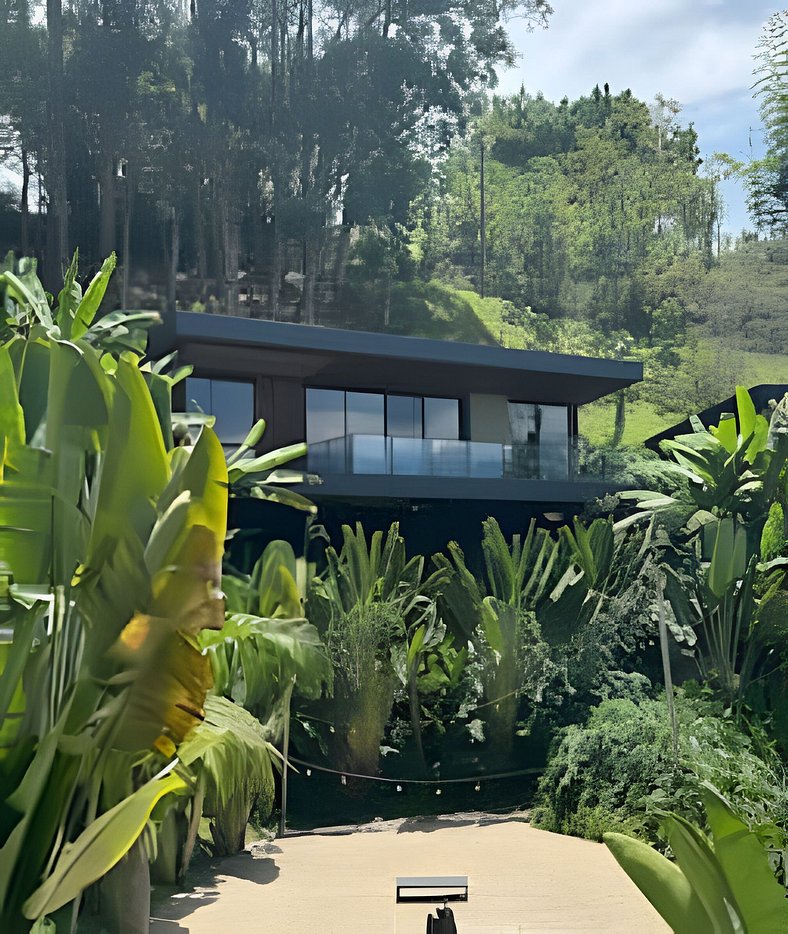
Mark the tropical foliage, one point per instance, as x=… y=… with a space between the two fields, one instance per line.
x=111 y=544
x=716 y=582
x=618 y=771
x=369 y=598
x=722 y=883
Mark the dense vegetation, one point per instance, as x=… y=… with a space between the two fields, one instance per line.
x=147 y=684
x=332 y=164
x=122 y=657
x=202 y=136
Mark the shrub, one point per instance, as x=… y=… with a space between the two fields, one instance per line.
x=617 y=771
x=600 y=773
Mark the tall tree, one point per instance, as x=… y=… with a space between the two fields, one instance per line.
x=767 y=178
x=57 y=215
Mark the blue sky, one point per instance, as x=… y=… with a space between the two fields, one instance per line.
x=699 y=52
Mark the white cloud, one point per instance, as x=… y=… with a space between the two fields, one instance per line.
x=687 y=50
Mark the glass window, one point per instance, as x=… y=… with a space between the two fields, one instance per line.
x=442 y=419
x=364 y=413
x=554 y=441
x=233 y=405
x=540 y=440
x=403 y=414
x=325 y=415
x=230 y=401
x=198 y=395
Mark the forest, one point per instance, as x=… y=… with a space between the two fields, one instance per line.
x=162 y=677
x=353 y=165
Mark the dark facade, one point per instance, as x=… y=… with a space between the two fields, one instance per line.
x=415 y=429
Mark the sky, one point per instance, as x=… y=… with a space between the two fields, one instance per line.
x=699 y=52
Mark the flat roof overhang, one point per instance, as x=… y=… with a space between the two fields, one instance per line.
x=329 y=357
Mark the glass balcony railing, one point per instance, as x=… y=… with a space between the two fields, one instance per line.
x=430 y=457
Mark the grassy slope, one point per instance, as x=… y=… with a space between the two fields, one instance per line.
x=437 y=310
x=642 y=420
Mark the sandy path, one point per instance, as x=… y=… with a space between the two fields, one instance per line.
x=521 y=880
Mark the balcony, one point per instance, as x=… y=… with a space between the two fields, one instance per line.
x=372 y=455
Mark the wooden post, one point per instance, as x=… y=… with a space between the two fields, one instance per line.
x=285 y=753
x=663 y=642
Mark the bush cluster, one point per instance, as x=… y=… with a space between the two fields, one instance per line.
x=617 y=771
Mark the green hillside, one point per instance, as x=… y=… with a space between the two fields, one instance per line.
x=438 y=310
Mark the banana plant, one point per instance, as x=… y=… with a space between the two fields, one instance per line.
x=368 y=604
x=261 y=477
x=421 y=635
x=233 y=759
x=111 y=544
x=264 y=651
x=535 y=594
x=728 y=471
x=722 y=884
x=715 y=582
x=266 y=642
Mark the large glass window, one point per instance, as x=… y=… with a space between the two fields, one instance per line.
x=364 y=413
x=371 y=432
x=403 y=416
x=230 y=401
x=540 y=440
x=325 y=415
x=442 y=419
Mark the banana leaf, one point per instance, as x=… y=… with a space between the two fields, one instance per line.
x=99 y=847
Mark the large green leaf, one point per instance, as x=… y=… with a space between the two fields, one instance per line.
x=728 y=554
x=274 y=581
x=99 y=847
x=233 y=747
x=761 y=899
x=12 y=416
x=662 y=882
x=135 y=470
x=746 y=410
x=697 y=861
x=254 y=659
x=87 y=308
x=29 y=293
x=726 y=432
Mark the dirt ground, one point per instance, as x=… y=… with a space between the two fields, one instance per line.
x=343 y=881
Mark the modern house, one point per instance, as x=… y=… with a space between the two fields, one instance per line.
x=435 y=433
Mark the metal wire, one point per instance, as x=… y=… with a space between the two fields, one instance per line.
x=416 y=781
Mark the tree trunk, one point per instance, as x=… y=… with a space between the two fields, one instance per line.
x=57 y=213
x=230 y=247
x=107 y=218
x=128 y=205
x=125 y=894
x=387 y=303
x=175 y=246
x=202 y=257
x=308 y=294
x=482 y=221
x=274 y=59
x=415 y=717
x=276 y=273
x=621 y=418
x=23 y=205
x=194 y=826
x=228 y=826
